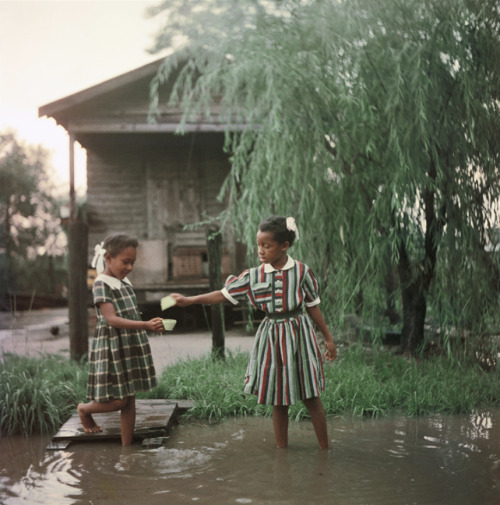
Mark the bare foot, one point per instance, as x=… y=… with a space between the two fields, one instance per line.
x=88 y=423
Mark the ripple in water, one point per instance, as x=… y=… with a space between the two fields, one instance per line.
x=164 y=461
x=439 y=459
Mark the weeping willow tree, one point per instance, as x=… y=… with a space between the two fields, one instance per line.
x=376 y=125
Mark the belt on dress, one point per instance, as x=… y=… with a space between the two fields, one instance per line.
x=284 y=315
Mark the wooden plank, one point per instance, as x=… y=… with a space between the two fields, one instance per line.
x=59 y=446
x=153 y=419
x=182 y=406
x=131 y=125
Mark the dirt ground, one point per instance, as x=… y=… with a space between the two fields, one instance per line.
x=47 y=331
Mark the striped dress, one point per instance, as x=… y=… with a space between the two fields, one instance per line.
x=121 y=363
x=285 y=362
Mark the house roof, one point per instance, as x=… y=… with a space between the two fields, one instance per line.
x=53 y=109
x=121 y=105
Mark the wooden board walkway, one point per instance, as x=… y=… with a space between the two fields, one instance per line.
x=154 y=418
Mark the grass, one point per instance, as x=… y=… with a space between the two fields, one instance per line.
x=37 y=395
x=357 y=384
x=215 y=386
x=380 y=384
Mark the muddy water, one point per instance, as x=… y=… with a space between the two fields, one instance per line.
x=433 y=460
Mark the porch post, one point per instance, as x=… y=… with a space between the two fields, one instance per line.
x=77 y=269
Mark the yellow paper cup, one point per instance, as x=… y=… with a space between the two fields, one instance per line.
x=167 y=302
x=169 y=324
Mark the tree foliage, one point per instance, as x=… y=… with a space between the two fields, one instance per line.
x=30 y=233
x=377 y=126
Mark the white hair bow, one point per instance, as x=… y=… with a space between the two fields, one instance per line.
x=292 y=226
x=98 y=260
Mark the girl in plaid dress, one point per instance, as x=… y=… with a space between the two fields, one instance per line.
x=120 y=361
x=285 y=363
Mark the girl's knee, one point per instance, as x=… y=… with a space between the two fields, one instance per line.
x=280 y=409
x=129 y=403
x=122 y=403
x=313 y=403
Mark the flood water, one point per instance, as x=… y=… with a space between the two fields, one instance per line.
x=432 y=460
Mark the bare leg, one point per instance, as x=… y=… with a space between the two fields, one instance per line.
x=280 y=424
x=127 y=421
x=85 y=411
x=317 y=413
x=88 y=422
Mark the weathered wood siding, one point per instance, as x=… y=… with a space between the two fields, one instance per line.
x=151 y=187
x=116 y=189
x=145 y=180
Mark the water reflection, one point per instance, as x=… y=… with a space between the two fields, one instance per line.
x=434 y=460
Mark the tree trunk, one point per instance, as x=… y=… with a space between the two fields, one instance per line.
x=391 y=290
x=414 y=311
x=415 y=279
x=413 y=290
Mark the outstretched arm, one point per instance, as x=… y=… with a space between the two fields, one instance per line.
x=206 y=298
x=317 y=316
x=109 y=313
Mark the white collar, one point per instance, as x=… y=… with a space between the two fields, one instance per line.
x=268 y=268
x=112 y=282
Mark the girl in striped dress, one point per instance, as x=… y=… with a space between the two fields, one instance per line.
x=285 y=362
x=120 y=361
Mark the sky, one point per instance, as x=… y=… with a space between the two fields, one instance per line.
x=54 y=48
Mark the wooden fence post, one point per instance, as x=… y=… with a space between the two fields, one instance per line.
x=77 y=289
x=214 y=253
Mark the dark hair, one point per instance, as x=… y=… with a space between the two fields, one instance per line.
x=277 y=226
x=117 y=242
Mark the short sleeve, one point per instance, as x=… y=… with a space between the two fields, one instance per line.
x=237 y=288
x=101 y=293
x=311 y=289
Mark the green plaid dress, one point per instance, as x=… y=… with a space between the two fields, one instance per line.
x=285 y=362
x=121 y=363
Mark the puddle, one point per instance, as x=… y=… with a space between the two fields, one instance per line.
x=433 y=460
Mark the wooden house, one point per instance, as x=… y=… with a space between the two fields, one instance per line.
x=147 y=180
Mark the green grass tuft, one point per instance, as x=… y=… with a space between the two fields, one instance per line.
x=380 y=384
x=37 y=395
x=215 y=387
